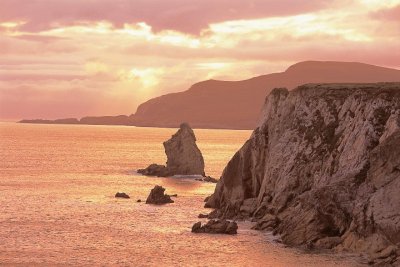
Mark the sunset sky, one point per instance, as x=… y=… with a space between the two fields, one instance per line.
x=72 y=58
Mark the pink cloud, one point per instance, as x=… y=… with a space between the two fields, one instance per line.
x=99 y=70
x=39 y=38
x=32 y=102
x=390 y=14
x=40 y=77
x=181 y=15
x=20 y=101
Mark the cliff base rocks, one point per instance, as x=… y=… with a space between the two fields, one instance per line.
x=216 y=227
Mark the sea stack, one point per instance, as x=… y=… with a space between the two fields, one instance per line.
x=183 y=156
x=322 y=169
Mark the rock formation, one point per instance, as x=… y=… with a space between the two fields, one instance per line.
x=121 y=195
x=155 y=170
x=158 y=197
x=322 y=169
x=183 y=156
x=216 y=227
x=207 y=179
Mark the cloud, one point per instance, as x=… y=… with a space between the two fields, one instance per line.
x=388 y=14
x=112 y=55
x=180 y=15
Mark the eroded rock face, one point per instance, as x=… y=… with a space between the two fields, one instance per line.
x=183 y=156
x=216 y=227
x=158 y=197
x=322 y=169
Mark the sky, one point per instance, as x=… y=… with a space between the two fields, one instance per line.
x=73 y=58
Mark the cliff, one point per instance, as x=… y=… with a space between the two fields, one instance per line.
x=322 y=169
x=237 y=104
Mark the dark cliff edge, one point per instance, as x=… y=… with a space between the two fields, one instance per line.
x=322 y=170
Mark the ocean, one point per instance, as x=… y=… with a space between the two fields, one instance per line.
x=57 y=187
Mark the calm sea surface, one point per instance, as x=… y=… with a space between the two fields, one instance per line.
x=57 y=186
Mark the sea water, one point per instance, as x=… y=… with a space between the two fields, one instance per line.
x=57 y=187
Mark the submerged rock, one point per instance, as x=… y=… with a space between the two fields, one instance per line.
x=158 y=197
x=183 y=156
x=208 y=179
x=216 y=227
x=155 y=170
x=121 y=195
x=322 y=169
x=202 y=216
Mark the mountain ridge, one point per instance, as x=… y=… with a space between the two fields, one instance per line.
x=237 y=104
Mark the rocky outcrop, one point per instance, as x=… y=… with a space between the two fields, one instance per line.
x=322 y=169
x=121 y=195
x=158 y=197
x=216 y=227
x=207 y=179
x=155 y=170
x=183 y=156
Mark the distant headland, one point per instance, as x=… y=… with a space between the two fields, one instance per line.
x=234 y=104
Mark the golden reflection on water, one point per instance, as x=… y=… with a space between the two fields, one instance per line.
x=57 y=200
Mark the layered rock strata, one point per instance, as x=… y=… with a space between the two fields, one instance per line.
x=322 y=169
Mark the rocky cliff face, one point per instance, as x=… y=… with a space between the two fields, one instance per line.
x=183 y=156
x=322 y=169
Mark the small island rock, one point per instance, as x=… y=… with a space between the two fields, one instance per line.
x=158 y=197
x=121 y=195
x=155 y=170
